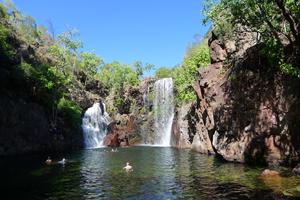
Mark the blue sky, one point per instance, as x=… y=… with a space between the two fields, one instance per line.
x=152 y=31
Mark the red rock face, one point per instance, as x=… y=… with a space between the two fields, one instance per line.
x=217 y=53
x=250 y=113
x=120 y=134
x=111 y=140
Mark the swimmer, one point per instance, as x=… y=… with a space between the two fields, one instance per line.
x=48 y=161
x=128 y=168
x=63 y=161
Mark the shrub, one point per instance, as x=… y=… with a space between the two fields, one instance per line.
x=70 y=111
x=186 y=75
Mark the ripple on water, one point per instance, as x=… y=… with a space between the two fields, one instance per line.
x=159 y=173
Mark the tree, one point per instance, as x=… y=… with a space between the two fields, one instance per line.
x=197 y=56
x=141 y=68
x=90 y=62
x=276 y=21
x=116 y=76
x=65 y=51
x=163 y=72
x=272 y=19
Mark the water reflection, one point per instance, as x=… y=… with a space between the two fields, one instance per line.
x=159 y=173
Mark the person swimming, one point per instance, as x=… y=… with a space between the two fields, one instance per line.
x=63 y=161
x=128 y=168
x=48 y=161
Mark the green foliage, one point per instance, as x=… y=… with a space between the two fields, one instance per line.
x=119 y=101
x=5 y=47
x=70 y=111
x=51 y=69
x=66 y=52
x=163 y=72
x=150 y=96
x=143 y=110
x=68 y=41
x=24 y=25
x=117 y=76
x=59 y=56
x=48 y=78
x=120 y=79
x=216 y=13
x=186 y=75
x=3 y=13
x=141 y=68
x=27 y=69
x=90 y=62
x=48 y=70
x=289 y=69
x=275 y=22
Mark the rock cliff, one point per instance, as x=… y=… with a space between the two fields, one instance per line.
x=246 y=111
x=134 y=119
x=31 y=119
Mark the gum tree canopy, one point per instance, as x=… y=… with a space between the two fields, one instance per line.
x=276 y=21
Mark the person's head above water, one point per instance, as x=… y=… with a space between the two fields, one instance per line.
x=128 y=167
x=48 y=161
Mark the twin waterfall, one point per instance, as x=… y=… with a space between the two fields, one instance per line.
x=163 y=111
x=94 y=125
x=96 y=120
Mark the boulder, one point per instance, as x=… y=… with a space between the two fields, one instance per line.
x=111 y=140
x=217 y=52
x=296 y=170
x=120 y=131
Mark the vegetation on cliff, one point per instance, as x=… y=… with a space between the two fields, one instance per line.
x=186 y=74
x=52 y=78
x=53 y=67
x=277 y=24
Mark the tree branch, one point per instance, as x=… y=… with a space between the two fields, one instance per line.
x=293 y=25
x=272 y=28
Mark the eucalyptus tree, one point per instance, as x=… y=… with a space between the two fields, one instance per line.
x=276 y=21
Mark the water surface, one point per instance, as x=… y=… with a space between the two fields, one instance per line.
x=159 y=173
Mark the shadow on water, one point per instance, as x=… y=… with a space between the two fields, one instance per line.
x=159 y=173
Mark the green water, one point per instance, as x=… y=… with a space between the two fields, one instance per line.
x=159 y=173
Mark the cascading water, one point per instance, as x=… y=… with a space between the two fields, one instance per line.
x=94 y=125
x=163 y=111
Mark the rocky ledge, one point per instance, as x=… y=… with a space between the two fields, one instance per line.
x=245 y=112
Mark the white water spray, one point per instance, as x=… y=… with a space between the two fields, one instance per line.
x=164 y=111
x=94 y=125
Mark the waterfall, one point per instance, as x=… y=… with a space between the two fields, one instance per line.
x=94 y=125
x=163 y=111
